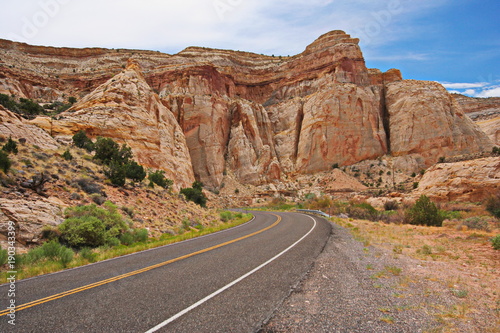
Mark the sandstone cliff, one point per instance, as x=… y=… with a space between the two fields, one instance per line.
x=203 y=112
x=470 y=181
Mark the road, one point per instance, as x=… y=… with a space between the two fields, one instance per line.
x=225 y=282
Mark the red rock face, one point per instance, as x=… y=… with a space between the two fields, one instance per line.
x=257 y=116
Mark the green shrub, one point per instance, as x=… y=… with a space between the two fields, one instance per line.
x=3 y=256
x=495 y=242
x=135 y=171
x=5 y=162
x=113 y=241
x=424 y=212
x=67 y=155
x=493 y=205
x=226 y=216
x=158 y=178
x=141 y=235
x=107 y=150
x=65 y=256
x=88 y=254
x=195 y=194
x=127 y=238
x=81 y=140
x=116 y=173
x=477 y=223
x=83 y=231
x=92 y=226
x=10 y=146
x=363 y=211
x=391 y=205
x=51 y=250
x=496 y=151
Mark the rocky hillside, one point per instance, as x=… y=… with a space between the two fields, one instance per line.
x=204 y=113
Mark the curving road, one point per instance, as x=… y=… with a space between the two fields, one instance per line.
x=225 y=282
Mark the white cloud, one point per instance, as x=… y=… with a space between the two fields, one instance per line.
x=477 y=89
x=449 y=85
x=263 y=26
x=492 y=92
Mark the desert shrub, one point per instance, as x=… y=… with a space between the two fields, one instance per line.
x=141 y=235
x=158 y=178
x=65 y=256
x=83 y=231
x=226 y=216
x=424 y=212
x=363 y=211
x=5 y=162
x=10 y=146
x=493 y=205
x=89 y=186
x=391 y=205
x=98 y=199
x=81 y=140
x=135 y=171
x=477 y=223
x=126 y=238
x=129 y=211
x=321 y=203
x=495 y=242
x=496 y=151
x=113 y=241
x=67 y=155
x=72 y=100
x=3 y=256
x=51 y=250
x=92 y=226
x=195 y=194
x=88 y=254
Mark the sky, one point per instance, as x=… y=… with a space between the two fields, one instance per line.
x=455 y=42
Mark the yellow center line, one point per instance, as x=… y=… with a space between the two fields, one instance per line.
x=139 y=271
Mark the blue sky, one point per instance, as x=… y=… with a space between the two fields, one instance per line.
x=455 y=42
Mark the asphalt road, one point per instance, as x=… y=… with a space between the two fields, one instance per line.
x=225 y=282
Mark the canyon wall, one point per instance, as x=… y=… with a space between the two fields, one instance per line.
x=202 y=112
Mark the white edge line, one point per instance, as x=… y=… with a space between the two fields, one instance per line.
x=131 y=254
x=200 y=302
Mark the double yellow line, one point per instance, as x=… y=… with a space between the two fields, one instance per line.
x=136 y=272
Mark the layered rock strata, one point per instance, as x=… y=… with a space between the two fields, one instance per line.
x=204 y=112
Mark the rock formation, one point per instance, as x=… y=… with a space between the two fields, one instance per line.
x=470 y=181
x=204 y=112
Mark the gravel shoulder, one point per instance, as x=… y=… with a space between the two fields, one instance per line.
x=358 y=288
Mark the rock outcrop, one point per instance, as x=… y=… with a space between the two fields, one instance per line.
x=203 y=112
x=30 y=217
x=470 y=181
x=126 y=109
x=425 y=120
x=12 y=125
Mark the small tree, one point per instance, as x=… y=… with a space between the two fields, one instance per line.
x=10 y=146
x=493 y=205
x=424 y=212
x=5 y=162
x=116 y=173
x=195 y=194
x=72 y=100
x=67 y=155
x=135 y=171
x=158 y=178
x=81 y=140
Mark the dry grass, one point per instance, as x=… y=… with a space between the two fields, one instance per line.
x=460 y=260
